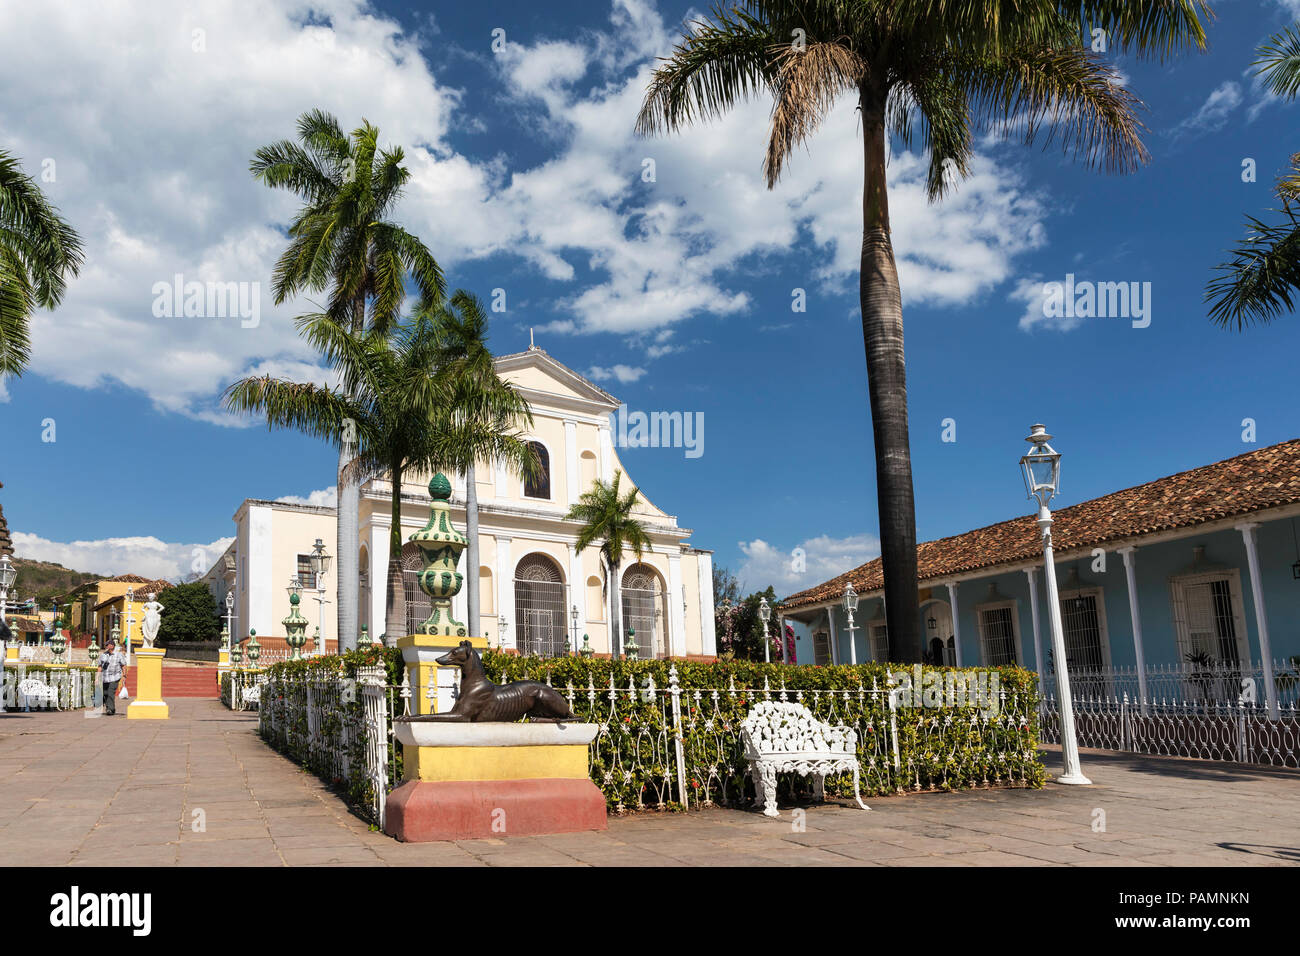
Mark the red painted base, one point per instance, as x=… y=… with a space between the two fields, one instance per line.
x=422 y=812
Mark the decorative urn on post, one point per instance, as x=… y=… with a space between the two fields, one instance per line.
x=237 y=654
x=295 y=627
x=364 y=640
x=440 y=546
x=58 y=644
x=631 y=650
x=93 y=651
x=254 y=648
x=586 y=650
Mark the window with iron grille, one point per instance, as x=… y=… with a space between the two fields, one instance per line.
x=1207 y=609
x=879 y=641
x=644 y=608
x=306 y=576
x=1084 y=626
x=540 y=487
x=998 y=634
x=821 y=648
x=540 y=610
x=418 y=604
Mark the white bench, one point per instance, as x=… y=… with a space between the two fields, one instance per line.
x=32 y=691
x=787 y=738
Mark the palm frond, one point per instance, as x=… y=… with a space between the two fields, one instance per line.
x=1279 y=63
x=1262 y=279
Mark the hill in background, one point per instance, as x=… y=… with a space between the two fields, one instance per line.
x=46 y=580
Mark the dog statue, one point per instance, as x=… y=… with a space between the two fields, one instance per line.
x=481 y=700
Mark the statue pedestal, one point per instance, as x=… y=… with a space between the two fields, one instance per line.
x=148 y=703
x=11 y=652
x=466 y=781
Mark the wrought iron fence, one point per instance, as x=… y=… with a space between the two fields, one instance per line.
x=1236 y=732
x=1219 y=683
x=72 y=688
x=660 y=747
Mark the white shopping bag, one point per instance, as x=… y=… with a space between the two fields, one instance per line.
x=122 y=691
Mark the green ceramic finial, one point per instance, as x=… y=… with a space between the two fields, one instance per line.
x=294 y=599
x=440 y=547
x=439 y=487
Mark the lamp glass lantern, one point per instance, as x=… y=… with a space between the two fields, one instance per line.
x=1041 y=466
x=764 y=611
x=8 y=574
x=320 y=559
x=850 y=599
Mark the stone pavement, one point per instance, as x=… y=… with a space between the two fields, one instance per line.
x=111 y=792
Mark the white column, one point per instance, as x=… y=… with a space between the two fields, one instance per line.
x=378 y=574
x=577 y=595
x=1069 y=743
x=1261 y=617
x=572 y=479
x=676 y=613
x=506 y=589
x=956 y=622
x=1139 y=655
x=835 y=650
x=1032 y=574
x=607 y=456
x=708 y=625
x=262 y=577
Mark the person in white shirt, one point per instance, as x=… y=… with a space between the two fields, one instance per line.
x=111 y=663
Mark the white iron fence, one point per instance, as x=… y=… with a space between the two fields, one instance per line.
x=36 y=688
x=662 y=746
x=1220 y=683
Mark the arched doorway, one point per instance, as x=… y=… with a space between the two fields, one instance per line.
x=645 y=608
x=418 y=604
x=540 y=618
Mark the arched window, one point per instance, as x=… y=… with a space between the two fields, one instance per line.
x=645 y=609
x=541 y=486
x=418 y=604
x=540 y=617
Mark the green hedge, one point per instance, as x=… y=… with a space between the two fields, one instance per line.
x=633 y=760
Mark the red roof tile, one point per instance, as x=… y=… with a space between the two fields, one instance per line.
x=1255 y=481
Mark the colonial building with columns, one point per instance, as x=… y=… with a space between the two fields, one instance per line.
x=1199 y=570
x=538 y=594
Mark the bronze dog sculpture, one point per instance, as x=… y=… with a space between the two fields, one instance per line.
x=482 y=700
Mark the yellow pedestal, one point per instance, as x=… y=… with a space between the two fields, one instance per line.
x=148 y=703
x=11 y=652
x=419 y=652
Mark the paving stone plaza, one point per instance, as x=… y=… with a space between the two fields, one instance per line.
x=201 y=789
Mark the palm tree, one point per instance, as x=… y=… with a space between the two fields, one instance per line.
x=37 y=250
x=1263 y=278
x=481 y=421
x=341 y=239
x=918 y=69
x=406 y=394
x=606 y=516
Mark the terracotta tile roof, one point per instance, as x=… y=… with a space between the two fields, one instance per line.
x=142 y=586
x=1255 y=481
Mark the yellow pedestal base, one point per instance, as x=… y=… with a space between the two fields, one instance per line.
x=148 y=703
x=11 y=652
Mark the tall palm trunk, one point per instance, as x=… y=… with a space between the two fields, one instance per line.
x=472 y=610
x=615 y=608
x=882 y=335
x=395 y=598
x=349 y=494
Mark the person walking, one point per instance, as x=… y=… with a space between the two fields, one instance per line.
x=111 y=663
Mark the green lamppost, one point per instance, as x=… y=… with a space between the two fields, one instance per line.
x=295 y=625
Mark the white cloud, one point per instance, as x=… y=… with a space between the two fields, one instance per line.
x=147 y=556
x=1031 y=292
x=324 y=498
x=808 y=564
x=1214 y=112
x=623 y=373
x=152 y=168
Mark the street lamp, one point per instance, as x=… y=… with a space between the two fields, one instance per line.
x=130 y=619
x=850 y=607
x=1042 y=473
x=765 y=615
x=320 y=564
x=502 y=626
x=230 y=617
x=573 y=615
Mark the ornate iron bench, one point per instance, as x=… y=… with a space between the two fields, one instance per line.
x=32 y=691
x=787 y=738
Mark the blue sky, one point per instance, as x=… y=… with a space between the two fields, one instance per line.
x=675 y=294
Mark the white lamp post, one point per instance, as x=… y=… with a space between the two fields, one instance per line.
x=502 y=627
x=573 y=614
x=765 y=615
x=230 y=618
x=851 y=606
x=130 y=619
x=1042 y=472
x=8 y=573
x=320 y=564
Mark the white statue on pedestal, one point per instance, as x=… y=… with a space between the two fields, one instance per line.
x=152 y=620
